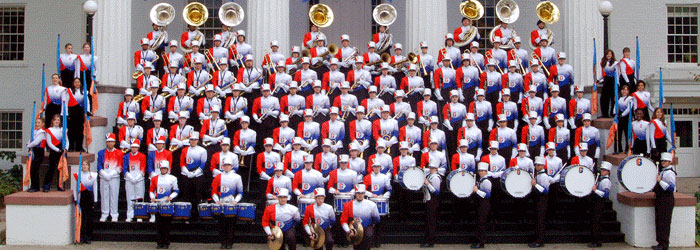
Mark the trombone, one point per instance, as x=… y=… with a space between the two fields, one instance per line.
x=332 y=50
x=410 y=58
x=420 y=62
x=201 y=88
x=385 y=57
x=535 y=56
x=212 y=59
x=269 y=63
x=443 y=52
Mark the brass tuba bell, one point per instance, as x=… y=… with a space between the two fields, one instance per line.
x=471 y=9
x=384 y=14
x=161 y=14
x=321 y=15
x=507 y=11
x=547 y=12
x=195 y=14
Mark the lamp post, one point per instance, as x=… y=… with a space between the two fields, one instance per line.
x=605 y=7
x=90 y=8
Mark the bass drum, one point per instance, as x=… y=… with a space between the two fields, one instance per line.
x=577 y=180
x=461 y=183
x=412 y=178
x=516 y=182
x=637 y=174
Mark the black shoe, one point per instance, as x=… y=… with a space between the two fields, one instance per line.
x=230 y=246
x=477 y=245
x=659 y=247
x=160 y=246
x=595 y=245
x=223 y=246
x=377 y=245
x=426 y=245
x=32 y=190
x=61 y=190
x=166 y=246
x=45 y=190
x=535 y=244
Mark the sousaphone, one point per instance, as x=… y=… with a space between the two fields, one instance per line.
x=548 y=13
x=508 y=12
x=356 y=226
x=195 y=14
x=473 y=10
x=276 y=244
x=384 y=15
x=231 y=14
x=161 y=14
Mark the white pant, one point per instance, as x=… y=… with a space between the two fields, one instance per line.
x=133 y=191
x=109 y=193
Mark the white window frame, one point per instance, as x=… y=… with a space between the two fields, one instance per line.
x=697 y=6
x=24 y=37
x=20 y=114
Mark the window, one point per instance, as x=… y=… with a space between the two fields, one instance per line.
x=684 y=134
x=375 y=26
x=486 y=24
x=212 y=26
x=11 y=33
x=10 y=130
x=682 y=34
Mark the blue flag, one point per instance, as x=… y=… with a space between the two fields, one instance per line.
x=636 y=70
x=65 y=126
x=617 y=82
x=33 y=121
x=92 y=60
x=595 y=64
x=673 y=130
x=58 y=54
x=661 y=88
x=629 y=129
x=43 y=85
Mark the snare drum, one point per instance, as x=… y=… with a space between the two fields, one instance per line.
x=303 y=203
x=516 y=182
x=339 y=202
x=229 y=210
x=382 y=205
x=182 y=210
x=461 y=183
x=577 y=180
x=204 y=211
x=167 y=209
x=246 y=211
x=216 y=209
x=637 y=174
x=153 y=208
x=412 y=178
x=141 y=210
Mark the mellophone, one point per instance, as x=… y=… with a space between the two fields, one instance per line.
x=181 y=210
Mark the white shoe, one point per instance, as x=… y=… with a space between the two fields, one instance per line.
x=129 y=219
x=139 y=220
x=103 y=218
x=152 y=220
x=115 y=219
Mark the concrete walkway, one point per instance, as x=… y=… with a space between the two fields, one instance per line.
x=143 y=245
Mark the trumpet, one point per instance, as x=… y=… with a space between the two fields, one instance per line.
x=165 y=94
x=226 y=88
x=172 y=148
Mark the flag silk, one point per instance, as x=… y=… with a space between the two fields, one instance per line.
x=78 y=212
x=661 y=88
x=636 y=70
x=611 y=136
x=594 y=92
x=87 y=131
x=58 y=55
x=27 y=177
x=629 y=134
x=62 y=171
x=673 y=131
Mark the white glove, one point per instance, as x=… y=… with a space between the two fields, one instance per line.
x=546 y=123
x=572 y=122
x=438 y=95
x=447 y=124
x=185 y=172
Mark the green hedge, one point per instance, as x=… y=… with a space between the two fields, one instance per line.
x=11 y=179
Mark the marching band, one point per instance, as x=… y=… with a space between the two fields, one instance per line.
x=360 y=126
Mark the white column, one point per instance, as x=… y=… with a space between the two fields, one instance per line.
x=112 y=33
x=582 y=23
x=268 y=20
x=427 y=22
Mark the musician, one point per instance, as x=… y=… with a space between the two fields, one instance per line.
x=292 y=62
x=386 y=84
x=84 y=64
x=191 y=35
x=242 y=48
x=311 y=37
x=434 y=156
x=163 y=189
x=332 y=79
x=602 y=191
x=169 y=81
x=277 y=182
x=491 y=82
x=413 y=85
x=192 y=161
x=483 y=190
x=498 y=54
x=582 y=158
x=273 y=58
x=432 y=182
x=399 y=109
x=659 y=133
x=346 y=102
x=334 y=129
x=477 y=58
x=153 y=104
x=180 y=132
x=553 y=106
x=381 y=157
x=382 y=37
x=461 y=33
x=553 y=165
x=293 y=105
x=309 y=131
x=213 y=130
x=506 y=138
x=589 y=135
x=386 y=128
x=360 y=131
x=67 y=68
x=319 y=103
x=223 y=79
x=520 y=55
x=398 y=69
x=513 y=81
x=625 y=105
x=380 y=187
x=462 y=159
x=265 y=161
x=192 y=57
x=36 y=146
x=283 y=136
x=643 y=99
x=627 y=70
x=309 y=179
x=411 y=134
x=425 y=61
x=401 y=163
x=433 y=132
x=205 y=105
x=533 y=135
x=664 y=201
x=156 y=156
x=536 y=80
x=541 y=30
x=472 y=134
x=266 y=110
x=640 y=133
x=244 y=142
x=561 y=136
x=541 y=183
x=483 y=112
x=236 y=106
x=577 y=107
x=146 y=80
x=250 y=78
x=173 y=57
x=562 y=75
x=346 y=54
x=197 y=78
x=145 y=54
x=280 y=80
x=77 y=115
x=130 y=131
x=508 y=108
x=360 y=78
x=320 y=214
x=426 y=108
x=88 y=198
x=326 y=161
x=305 y=77
x=363 y=210
x=468 y=78
x=109 y=165
x=316 y=52
x=545 y=53
x=453 y=114
x=497 y=164
x=371 y=56
x=126 y=106
x=282 y=215
x=452 y=53
x=134 y=172
x=444 y=79
x=227 y=187
x=217 y=160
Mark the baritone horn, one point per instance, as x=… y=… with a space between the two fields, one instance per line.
x=195 y=14
x=472 y=10
x=321 y=15
x=161 y=14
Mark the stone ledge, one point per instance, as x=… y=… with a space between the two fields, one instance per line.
x=73 y=158
x=98 y=121
x=647 y=199
x=602 y=123
x=110 y=89
x=40 y=198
